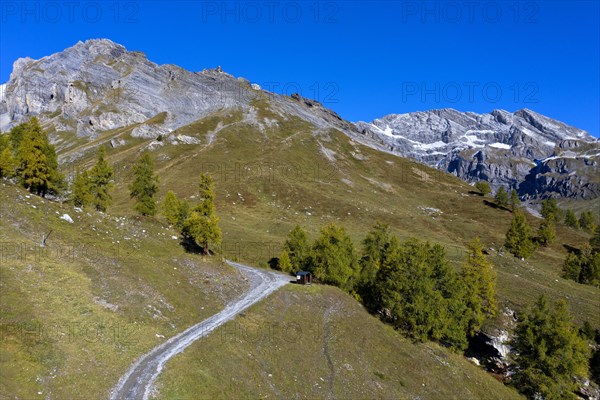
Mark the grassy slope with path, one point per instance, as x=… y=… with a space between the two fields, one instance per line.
x=317 y=342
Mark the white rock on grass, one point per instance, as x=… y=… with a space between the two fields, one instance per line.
x=67 y=218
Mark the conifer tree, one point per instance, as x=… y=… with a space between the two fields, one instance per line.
x=144 y=186
x=284 y=262
x=548 y=351
x=7 y=163
x=550 y=207
x=100 y=178
x=37 y=162
x=296 y=245
x=202 y=225
x=586 y=221
x=501 y=197
x=171 y=208
x=483 y=187
x=547 y=231
x=514 y=200
x=81 y=193
x=518 y=238
x=571 y=220
x=333 y=257
x=419 y=293
x=595 y=240
x=479 y=278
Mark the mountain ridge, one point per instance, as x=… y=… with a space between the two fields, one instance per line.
x=98 y=86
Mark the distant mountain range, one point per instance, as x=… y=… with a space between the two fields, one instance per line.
x=524 y=150
x=98 y=86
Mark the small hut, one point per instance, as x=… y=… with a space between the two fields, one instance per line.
x=303 y=278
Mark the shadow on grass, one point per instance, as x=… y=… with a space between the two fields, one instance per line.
x=494 y=205
x=572 y=249
x=191 y=246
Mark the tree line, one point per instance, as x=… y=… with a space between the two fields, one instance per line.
x=410 y=284
x=27 y=155
x=580 y=265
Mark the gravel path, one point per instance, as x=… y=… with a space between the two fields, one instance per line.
x=137 y=382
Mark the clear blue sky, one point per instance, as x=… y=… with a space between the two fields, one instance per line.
x=363 y=59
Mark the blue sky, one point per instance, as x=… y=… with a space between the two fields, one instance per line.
x=363 y=59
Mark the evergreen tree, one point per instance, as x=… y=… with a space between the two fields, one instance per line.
x=171 y=208
x=419 y=294
x=595 y=240
x=571 y=219
x=296 y=245
x=375 y=249
x=483 y=187
x=37 y=161
x=479 y=278
x=548 y=351
x=184 y=212
x=547 y=231
x=501 y=197
x=586 y=221
x=16 y=135
x=572 y=267
x=518 y=238
x=590 y=267
x=206 y=189
x=7 y=163
x=285 y=264
x=202 y=225
x=144 y=186
x=333 y=257
x=550 y=207
x=514 y=200
x=100 y=178
x=81 y=192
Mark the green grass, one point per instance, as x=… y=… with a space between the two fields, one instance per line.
x=75 y=314
x=267 y=180
x=317 y=342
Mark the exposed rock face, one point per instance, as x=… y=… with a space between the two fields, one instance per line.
x=98 y=86
x=524 y=150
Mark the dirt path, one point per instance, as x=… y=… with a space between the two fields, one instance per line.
x=137 y=382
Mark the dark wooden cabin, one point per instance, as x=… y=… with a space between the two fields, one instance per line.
x=303 y=278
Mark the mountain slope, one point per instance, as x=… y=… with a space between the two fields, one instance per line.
x=537 y=155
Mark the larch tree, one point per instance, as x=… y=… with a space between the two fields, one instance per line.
x=171 y=208
x=100 y=178
x=501 y=197
x=144 y=186
x=296 y=245
x=479 y=278
x=548 y=351
x=202 y=225
x=37 y=161
x=518 y=238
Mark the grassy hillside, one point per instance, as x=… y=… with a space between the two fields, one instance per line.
x=317 y=342
x=104 y=290
x=272 y=176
